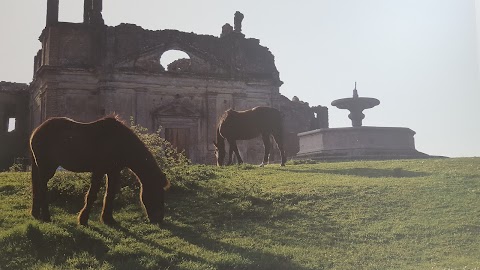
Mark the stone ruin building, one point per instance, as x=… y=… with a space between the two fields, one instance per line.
x=13 y=106
x=88 y=70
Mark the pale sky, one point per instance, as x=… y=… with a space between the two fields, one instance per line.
x=420 y=58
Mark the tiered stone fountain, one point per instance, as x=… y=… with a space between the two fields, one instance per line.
x=358 y=142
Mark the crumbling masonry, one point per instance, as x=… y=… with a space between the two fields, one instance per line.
x=88 y=70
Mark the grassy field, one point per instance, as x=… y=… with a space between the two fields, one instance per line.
x=406 y=214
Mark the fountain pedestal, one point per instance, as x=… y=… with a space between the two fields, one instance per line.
x=358 y=143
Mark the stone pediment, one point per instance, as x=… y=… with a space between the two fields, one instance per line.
x=176 y=109
x=148 y=59
x=136 y=49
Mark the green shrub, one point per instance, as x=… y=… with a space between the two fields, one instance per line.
x=16 y=168
x=166 y=155
x=171 y=161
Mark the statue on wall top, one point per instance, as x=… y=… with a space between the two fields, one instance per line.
x=238 y=22
x=226 y=29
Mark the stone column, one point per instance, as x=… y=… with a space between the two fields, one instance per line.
x=97 y=12
x=52 y=12
x=92 y=12
x=87 y=10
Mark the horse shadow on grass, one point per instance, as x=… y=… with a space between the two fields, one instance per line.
x=263 y=221
x=191 y=223
x=366 y=172
x=57 y=246
x=255 y=259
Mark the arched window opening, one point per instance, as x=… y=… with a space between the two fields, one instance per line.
x=175 y=61
x=11 y=124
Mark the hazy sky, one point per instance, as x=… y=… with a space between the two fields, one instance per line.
x=420 y=58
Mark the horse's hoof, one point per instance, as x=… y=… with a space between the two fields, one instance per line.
x=82 y=221
x=283 y=165
x=46 y=219
x=36 y=215
x=109 y=221
x=261 y=165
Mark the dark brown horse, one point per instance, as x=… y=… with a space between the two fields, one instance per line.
x=246 y=125
x=105 y=146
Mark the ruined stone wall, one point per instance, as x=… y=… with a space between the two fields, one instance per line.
x=13 y=104
x=68 y=45
x=86 y=71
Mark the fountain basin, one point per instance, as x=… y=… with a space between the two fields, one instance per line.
x=358 y=143
x=356 y=103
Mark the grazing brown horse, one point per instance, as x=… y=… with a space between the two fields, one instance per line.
x=105 y=146
x=246 y=125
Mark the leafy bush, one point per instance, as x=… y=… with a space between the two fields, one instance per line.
x=16 y=168
x=68 y=188
x=19 y=165
x=171 y=161
x=166 y=155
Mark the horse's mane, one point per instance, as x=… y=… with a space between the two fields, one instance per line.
x=225 y=114
x=113 y=116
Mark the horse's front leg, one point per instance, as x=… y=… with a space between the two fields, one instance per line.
x=267 y=145
x=113 y=187
x=278 y=136
x=234 y=148
x=90 y=198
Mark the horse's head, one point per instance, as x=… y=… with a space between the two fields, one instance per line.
x=219 y=152
x=153 y=198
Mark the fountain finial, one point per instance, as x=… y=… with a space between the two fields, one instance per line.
x=355 y=92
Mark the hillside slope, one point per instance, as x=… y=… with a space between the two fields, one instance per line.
x=406 y=214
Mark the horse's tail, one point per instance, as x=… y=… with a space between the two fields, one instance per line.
x=219 y=140
x=32 y=151
x=167 y=184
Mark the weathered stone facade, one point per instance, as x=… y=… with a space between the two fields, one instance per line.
x=87 y=70
x=13 y=105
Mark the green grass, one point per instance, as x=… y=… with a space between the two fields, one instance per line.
x=405 y=214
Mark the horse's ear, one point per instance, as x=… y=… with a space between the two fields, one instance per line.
x=214 y=143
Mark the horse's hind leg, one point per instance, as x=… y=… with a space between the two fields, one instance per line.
x=234 y=149
x=40 y=179
x=278 y=136
x=230 y=153
x=35 y=191
x=113 y=187
x=267 y=144
x=90 y=198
